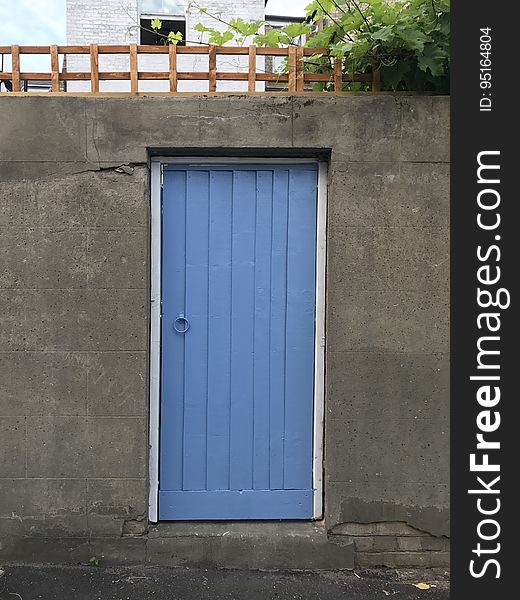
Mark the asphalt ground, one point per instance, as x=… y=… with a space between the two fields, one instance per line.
x=143 y=583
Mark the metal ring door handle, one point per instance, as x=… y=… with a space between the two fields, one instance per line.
x=177 y=324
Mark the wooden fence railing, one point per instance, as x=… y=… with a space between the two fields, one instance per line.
x=295 y=78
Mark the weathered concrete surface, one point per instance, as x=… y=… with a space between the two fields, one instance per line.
x=74 y=239
x=252 y=545
x=99 y=583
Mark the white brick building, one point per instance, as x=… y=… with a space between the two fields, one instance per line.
x=118 y=22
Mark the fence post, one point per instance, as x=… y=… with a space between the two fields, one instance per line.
x=338 y=74
x=15 y=68
x=134 y=77
x=55 y=69
x=172 y=58
x=251 y=77
x=212 y=75
x=94 y=68
x=292 y=69
x=376 y=80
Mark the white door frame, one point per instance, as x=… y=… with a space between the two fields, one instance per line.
x=155 y=318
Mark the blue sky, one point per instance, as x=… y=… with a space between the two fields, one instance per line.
x=32 y=22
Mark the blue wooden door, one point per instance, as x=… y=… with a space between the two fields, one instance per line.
x=238 y=311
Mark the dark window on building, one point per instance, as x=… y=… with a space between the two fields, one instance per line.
x=149 y=37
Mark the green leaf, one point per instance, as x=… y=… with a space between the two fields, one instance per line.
x=384 y=34
x=352 y=21
x=296 y=29
x=413 y=38
x=339 y=50
x=361 y=49
x=393 y=75
x=244 y=28
x=202 y=28
x=432 y=59
x=319 y=40
x=443 y=24
x=156 y=24
x=273 y=38
x=220 y=38
x=174 y=38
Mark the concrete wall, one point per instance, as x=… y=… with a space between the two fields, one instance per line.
x=74 y=320
x=116 y=22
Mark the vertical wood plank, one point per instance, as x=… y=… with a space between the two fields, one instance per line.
x=299 y=69
x=262 y=329
x=196 y=339
x=55 y=73
x=242 y=330
x=292 y=69
x=172 y=57
x=134 y=84
x=338 y=75
x=299 y=328
x=212 y=68
x=219 y=337
x=376 y=80
x=94 y=68
x=251 y=79
x=173 y=344
x=15 y=68
x=277 y=341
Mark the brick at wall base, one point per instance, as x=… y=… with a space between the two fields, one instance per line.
x=425 y=560
x=388 y=543
x=391 y=551
x=394 y=544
